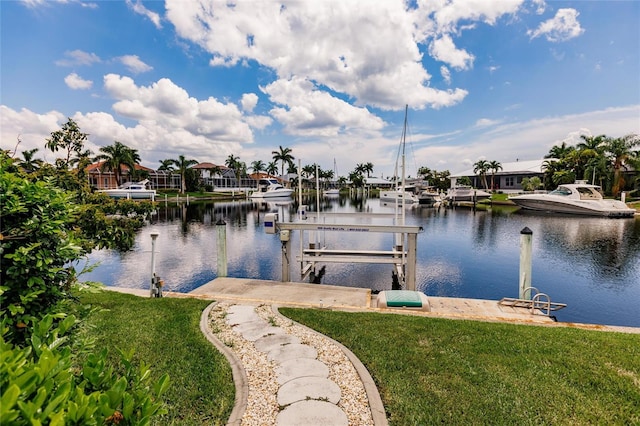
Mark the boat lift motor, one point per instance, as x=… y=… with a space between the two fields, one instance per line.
x=270 y=220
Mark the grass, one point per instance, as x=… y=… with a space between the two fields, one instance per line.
x=432 y=371
x=165 y=333
x=427 y=370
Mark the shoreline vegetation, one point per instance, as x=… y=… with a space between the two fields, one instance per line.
x=496 y=198
x=428 y=370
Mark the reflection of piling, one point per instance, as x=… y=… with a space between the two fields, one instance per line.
x=154 y=236
x=221 y=228
x=526 y=237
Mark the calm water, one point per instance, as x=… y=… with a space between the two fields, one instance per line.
x=591 y=264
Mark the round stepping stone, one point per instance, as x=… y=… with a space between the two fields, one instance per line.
x=312 y=413
x=292 y=351
x=274 y=340
x=303 y=367
x=305 y=388
x=256 y=333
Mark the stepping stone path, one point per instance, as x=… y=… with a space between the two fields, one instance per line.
x=308 y=396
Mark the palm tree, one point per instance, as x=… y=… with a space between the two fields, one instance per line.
x=167 y=166
x=621 y=153
x=559 y=151
x=309 y=170
x=272 y=168
x=284 y=156
x=234 y=163
x=258 y=166
x=556 y=173
x=29 y=163
x=592 y=149
x=481 y=167
x=115 y=157
x=368 y=168
x=494 y=166
x=182 y=165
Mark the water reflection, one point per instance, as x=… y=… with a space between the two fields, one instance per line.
x=592 y=264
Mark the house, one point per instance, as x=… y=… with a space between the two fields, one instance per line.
x=100 y=179
x=509 y=179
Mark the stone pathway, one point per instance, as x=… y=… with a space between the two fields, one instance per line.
x=294 y=375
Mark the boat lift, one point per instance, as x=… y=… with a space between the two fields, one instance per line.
x=403 y=261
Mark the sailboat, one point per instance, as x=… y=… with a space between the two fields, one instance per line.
x=333 y=191
x=400 y=195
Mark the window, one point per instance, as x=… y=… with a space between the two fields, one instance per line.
x=508 y=181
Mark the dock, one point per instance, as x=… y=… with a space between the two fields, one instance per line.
x=322 y=296
x=356 y=299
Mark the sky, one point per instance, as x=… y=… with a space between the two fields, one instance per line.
x=500 y=80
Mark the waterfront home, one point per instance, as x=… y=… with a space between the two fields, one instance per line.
x=509 y=179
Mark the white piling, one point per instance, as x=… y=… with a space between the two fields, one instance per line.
x=221 y=228
x=623 y=197
x=154 y=236
x=526 y=237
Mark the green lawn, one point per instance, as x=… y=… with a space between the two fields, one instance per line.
x=165 y=333
x=432 y=371
x=428 y=370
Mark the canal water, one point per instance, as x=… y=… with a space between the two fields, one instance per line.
x=591 y=264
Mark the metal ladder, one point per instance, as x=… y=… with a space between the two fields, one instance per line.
x=540 y=302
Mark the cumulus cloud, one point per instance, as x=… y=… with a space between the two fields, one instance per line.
x=77 y=58
x=138 y=8
x=134 y=64
x=75 y=82
x=446 y=74
x=307 y=111
x=249 y=101
x=443 y=49
x=364 y=50
x=562 y=27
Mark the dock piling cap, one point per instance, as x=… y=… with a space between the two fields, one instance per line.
x=526 y=231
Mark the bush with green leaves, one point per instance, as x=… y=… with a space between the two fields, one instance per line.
x=41 y=383
x=45 y=229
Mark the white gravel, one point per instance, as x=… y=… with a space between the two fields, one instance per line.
x=262 y=406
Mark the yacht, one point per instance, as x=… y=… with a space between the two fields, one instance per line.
x=271 y=188
x=429 y=196
x=579 y=198
x=132 y=190
x=398 y=195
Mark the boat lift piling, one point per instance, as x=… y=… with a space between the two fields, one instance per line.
x=221 y=245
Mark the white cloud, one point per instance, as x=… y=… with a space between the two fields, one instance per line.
x=249 y=101
x=444 y=50
x=485 y=122
x=364 y=50
x=311 y=112
x=75 y=82
x=564 y=26
x=78 y=57
x=138 y=8
x=446 y=74
x=134 y=64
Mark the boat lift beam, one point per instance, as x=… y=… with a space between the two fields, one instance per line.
x=404 y=260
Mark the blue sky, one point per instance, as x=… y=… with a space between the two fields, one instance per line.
x=495 y=80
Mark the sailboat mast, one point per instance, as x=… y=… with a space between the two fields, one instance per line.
x=404 y=140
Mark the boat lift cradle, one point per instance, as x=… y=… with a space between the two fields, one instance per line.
x=539 y=303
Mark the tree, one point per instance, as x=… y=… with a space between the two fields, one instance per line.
x=182 y=165
x=481 y=167
x=494 y=166
x=234 y=163
x=29 y=163
x=621 y=152
x=257 y=166
x=368 y=168
x=556 y=173
x=426 y=173
x=69 y=139
x=559 y=152
x=272 y=168
x=283 y=155
x=115 y=157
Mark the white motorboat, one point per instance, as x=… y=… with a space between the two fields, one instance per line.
x=429 y=196
x=466 y=193
x=579 y=198
x=332 y=192
x=132 y=190
x=271 y=188
x=398 y=195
